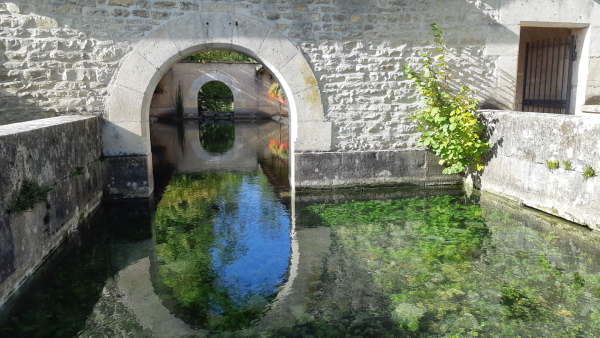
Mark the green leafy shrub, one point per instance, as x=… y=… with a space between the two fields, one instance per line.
x=449 y=123
x=552 y=165
x=31 y=194
x=588 y=173
x=567 y=165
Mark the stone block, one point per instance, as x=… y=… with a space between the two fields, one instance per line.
x=187 y=34
x=159 y=50
x=138 y=74
x=248 y=33
x=276 y=50
x=298 y=75
x=310 y=107
x=128 y=177
x=123 y=3
x=125 y=138
x=217 y=28
x=124 y=105
x=313 y=136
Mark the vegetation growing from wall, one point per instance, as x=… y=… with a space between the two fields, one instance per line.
x=207 y=103
x=449 y=123
x=218 y=56
x=552 y=165
x=31 y=193
x=588 y=173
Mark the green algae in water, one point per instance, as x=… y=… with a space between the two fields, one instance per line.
x=456 y=269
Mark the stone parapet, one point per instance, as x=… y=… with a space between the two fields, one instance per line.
x=516 y=168
x=62 y=153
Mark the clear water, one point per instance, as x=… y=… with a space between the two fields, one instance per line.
x=222 y=251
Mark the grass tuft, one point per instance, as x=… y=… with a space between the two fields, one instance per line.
x=552 y=165
x=588 y=173
x=31 y=194
x=77 y=172
x=567 y=165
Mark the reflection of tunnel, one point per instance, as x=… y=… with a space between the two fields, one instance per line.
x=217 y=138
x=215 y=97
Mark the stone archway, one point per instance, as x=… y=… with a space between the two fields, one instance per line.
x=126 y=135
x=191 y=100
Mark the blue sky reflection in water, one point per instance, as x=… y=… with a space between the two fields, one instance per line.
x=252 y=243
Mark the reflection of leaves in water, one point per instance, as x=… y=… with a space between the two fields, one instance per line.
x=437 y=255
x=215 y=105
x=185 y=236
x=217 y=138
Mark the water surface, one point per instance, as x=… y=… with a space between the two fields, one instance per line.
x=223 y=251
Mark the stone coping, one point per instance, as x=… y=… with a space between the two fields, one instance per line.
x=21 y=127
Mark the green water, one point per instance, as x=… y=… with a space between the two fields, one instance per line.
x=220 y=253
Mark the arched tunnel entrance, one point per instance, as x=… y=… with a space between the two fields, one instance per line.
x=126 y=131
x=128 y=143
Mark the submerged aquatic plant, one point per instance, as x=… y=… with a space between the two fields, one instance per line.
x=588 y=173
x=447 y=272
x=567 y=165
x=31 y=193
x=552 y=165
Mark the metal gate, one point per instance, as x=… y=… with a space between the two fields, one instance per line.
x=548 y=75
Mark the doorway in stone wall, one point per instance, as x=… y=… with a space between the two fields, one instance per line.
x=547 y=69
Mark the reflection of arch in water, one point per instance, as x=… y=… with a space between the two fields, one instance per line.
x=216 y=138
x=191 y=100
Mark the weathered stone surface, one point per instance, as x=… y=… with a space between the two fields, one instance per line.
x=46 y=151
x=128 y=177
x=516 y=165
x=369 y=168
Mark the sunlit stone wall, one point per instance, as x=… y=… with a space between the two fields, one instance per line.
x=60 y=56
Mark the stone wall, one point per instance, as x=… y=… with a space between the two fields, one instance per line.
x=516 y=168
x=248 y=87
x=62 y=153
x=58 y=57
x=345 y=59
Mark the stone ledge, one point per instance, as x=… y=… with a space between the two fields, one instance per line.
x=329 y=170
